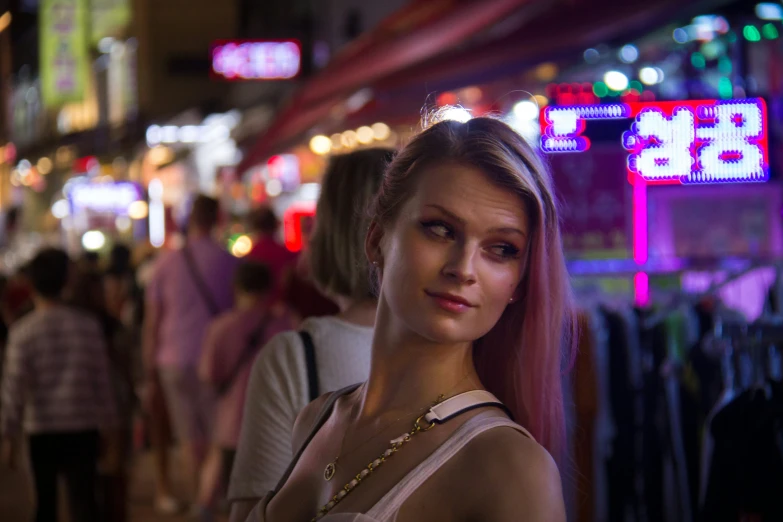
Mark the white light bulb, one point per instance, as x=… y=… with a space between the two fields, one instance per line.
x=616 y=80
x=93 y=240
x=526 y=110
x=456 y=114
x=628 y=53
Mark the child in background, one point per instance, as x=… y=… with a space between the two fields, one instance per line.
x=232 y=342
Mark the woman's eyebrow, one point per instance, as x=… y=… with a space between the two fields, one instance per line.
x=452 y=215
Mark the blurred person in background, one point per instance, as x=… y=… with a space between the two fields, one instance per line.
x=187 y=289
x=154 y=427
x=264 y=225
x=90 y=262
x=291 y=282
x=87 y=293
x=56 y=389
x=232 y=342
x=329 y=352
x=119 y=285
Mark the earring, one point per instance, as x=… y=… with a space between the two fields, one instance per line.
x=375 y=263
x=511 y=300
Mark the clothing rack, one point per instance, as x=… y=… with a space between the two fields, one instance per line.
x=712 y=291
x=760 y=332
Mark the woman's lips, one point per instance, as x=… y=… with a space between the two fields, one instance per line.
x=450 y=302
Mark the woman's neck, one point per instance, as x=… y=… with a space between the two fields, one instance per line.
x=361 y=313
x=409 y=372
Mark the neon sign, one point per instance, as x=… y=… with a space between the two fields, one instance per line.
x=295 y=224
x=256 y=59
x=104 y=197
x=687 y=142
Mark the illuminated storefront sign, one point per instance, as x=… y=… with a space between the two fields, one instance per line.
x=104 y=197
x=157 y=134
x=297 y=222
x=679 y=142
x=285 y=169
x=673 y=142
x=63 y=51
x=108 y=18
x=256 y=60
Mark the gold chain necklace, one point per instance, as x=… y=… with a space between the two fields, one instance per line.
x=331 y=469
x=394 y=447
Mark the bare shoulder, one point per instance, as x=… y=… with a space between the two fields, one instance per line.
x=307 y=419
x=508 y=475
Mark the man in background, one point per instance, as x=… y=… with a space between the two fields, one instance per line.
x=263 y=224
x=187 y=288
x=56 y=389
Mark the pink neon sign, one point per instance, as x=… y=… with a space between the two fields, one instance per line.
x=237 y=60
x=687 y=142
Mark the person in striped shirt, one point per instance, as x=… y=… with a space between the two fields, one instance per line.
x=56 y=390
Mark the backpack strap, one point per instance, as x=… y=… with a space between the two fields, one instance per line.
x=323 y=416
x=198 y=280
x=312 y=369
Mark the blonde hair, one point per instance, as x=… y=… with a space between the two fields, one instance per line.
x=337 y=259
x=521 y=358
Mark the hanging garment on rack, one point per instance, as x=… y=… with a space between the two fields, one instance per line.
x=636 y=378
x=746 y=473
x=708 y=445
x=585 y=398
x=624 y=502
x=682 y=404
x=604 y=430
x=653 y=342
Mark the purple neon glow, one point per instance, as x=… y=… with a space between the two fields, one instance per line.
x=256 y=60
x=640 y=247
x=557 y=144
x=641 y=287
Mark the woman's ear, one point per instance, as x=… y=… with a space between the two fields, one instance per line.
x=372 y=244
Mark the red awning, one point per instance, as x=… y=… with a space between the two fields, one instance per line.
x=566 y=28
x=418 y=32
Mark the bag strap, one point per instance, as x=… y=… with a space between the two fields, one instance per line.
x=312 y=369
x=462 y=403
x=321 y=419
x=251 y=347
x=206 y=295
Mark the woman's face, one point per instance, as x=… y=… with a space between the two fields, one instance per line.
x=455 y=255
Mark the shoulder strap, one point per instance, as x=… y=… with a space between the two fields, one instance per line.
x=462 y=403
x=323 y=415
x=251 y=347
x=206 y=295
x=312 y=369
x=391 y=503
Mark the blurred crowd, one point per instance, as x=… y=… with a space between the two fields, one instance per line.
x=107 y=357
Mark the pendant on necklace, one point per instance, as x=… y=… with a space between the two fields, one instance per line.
x=330 y=470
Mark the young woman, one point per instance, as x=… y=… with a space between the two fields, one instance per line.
x=473 y=296
x=281 y=379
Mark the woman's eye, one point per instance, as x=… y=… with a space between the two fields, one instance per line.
x=437 y=229
x=507 y=251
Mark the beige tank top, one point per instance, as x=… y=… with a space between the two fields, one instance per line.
x=386 y=509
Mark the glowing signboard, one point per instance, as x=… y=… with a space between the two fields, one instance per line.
x=686 y=142
x=104 y=197
x=297 y=220
x=238 y=60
